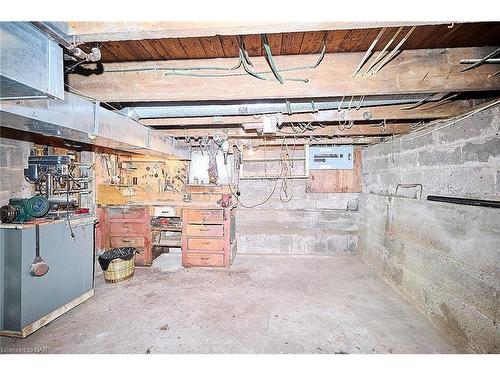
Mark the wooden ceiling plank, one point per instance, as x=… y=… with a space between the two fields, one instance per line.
x=467 y=31
x=150 y=49
x=107 y=54
x=333 y=77
x=443 y=34
x=139 y=52
x=312 y=42
x=119 y=50
x=291 y=43
x=353 y=40
x=419 y=38
x=174 y=48
x=253 y=44
x=370 y=36
x=230 y=46
x=212 y=46
x=275 y=41
x=193 y=48
x=334 y=40
x=160 y=49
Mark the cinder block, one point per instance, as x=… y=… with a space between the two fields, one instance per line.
x=417 y=140
x=443 y=257
x=4 y=156
x=481 y=124
x=498 y=182
x=461 y=321
x=481 y=151
x=435 y=158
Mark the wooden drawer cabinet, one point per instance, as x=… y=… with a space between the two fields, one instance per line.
x=128 y=241
x=130 y=228
x=206 y=244
x=124 y=227
x=203 y=260
x=206 y=237
x=204 y=216
x=205 y=230
x=127 y=213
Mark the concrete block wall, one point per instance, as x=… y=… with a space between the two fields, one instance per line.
x=462 y=159
x=13 y=159
x=443 y=257
x=311 y=223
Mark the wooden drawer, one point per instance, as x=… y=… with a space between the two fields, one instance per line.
x=203 y=260
x=205 y=230
x=127 y=241
x=127 y=227
x=204 y=216
x=206 y=244
x=127 y=213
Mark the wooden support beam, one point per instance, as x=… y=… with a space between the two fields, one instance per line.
x=112 y=31
x=287 y=131
x=277 y=141
x=413 y=71
x=390 y=112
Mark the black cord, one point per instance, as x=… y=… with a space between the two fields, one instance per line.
x=67 y=210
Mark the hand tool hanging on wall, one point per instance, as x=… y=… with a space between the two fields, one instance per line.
x=38 y=267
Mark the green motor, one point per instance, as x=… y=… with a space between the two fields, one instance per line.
x=21 y=210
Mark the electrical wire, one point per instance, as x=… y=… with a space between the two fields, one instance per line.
x=381 y=53
x=243 y=60
x=450 y=121
x=270 y=58
x=285 y=176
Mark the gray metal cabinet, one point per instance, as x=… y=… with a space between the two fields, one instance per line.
x=28 y=303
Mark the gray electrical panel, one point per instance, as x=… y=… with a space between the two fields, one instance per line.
x=331 y=157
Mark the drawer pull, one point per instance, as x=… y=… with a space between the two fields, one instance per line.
x=204 y=258
x=126 y=240
x=206 y=243
x=204 y=229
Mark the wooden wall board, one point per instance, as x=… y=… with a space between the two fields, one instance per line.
x=337 y=180
x=149 y=187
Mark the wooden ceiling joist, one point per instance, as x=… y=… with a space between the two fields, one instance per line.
x=113 y=31
x=288 y=131
x=277 y=141
x=412 y=71
x=389 y=112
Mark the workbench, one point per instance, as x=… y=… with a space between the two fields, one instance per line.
x=130 y=225
x=27 y=303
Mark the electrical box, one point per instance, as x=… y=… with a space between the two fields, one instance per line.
x=331 y=157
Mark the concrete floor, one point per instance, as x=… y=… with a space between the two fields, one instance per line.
x=263 y=304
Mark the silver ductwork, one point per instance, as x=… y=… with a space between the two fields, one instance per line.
x=285 y=107
x=80 y=120
x=52 y=30
x=31 y=64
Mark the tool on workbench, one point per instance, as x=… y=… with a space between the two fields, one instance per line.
x=38 y=268
x=21 y=210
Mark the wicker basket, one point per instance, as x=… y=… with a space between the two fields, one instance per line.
x=119 y=270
